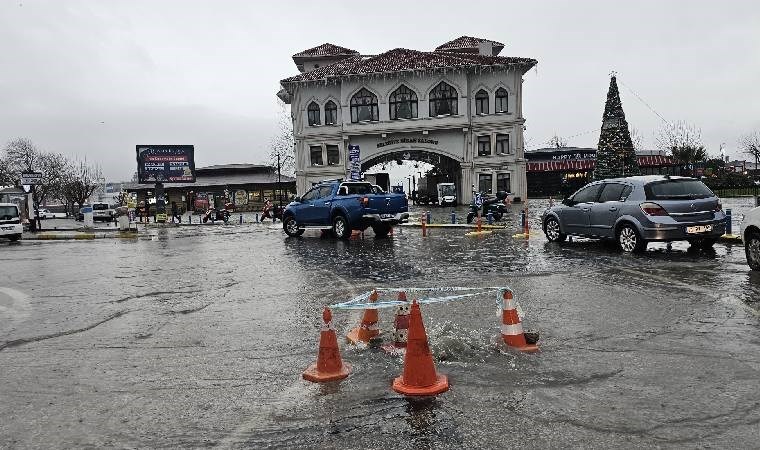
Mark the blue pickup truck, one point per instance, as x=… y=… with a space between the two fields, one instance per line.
x=343 y=206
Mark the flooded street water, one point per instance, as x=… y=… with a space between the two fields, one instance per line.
x=197 y=336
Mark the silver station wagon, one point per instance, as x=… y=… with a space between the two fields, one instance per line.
x=638 y=210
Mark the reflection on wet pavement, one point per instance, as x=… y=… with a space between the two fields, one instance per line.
x=197 y=336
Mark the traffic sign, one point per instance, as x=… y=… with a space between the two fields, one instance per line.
x=31 y=178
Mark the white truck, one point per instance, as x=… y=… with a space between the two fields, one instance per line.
x=447 y=194
x=10 y=222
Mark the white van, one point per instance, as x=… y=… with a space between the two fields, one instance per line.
x=10 y=222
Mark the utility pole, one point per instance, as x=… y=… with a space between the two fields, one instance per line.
x=279 y=180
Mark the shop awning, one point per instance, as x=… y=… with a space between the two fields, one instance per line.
x=588 y=164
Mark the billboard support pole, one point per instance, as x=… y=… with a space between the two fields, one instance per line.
x=160 y=203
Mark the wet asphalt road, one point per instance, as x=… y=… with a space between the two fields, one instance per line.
x=197 y=336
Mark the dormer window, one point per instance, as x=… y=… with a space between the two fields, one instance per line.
x=313 y=113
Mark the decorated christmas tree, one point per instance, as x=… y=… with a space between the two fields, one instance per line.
x=615 y=155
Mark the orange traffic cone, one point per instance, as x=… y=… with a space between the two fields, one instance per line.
x=367 y=331
x=511 y=327
x=329 y=366
x=401 y=325
x=419 y=377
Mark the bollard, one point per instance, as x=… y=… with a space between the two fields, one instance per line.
x=757 y=201
x=424 y=227
x=241 y=219
x=428 y=215
x=489 y=218
x=522 y=219
x=551 y=202
x=453 y=217
x=257 y=217
x=728 y=221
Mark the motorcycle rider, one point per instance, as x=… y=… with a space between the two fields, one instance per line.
x=267 y=212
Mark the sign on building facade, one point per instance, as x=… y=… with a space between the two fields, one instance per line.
x=354 y=163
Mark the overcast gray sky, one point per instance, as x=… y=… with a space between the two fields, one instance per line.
x=94 y=78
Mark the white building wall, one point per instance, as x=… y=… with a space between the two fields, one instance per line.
x=457 y=134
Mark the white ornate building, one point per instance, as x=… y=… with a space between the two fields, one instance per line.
x=458 y=107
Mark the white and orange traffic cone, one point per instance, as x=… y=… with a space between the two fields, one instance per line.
x=329 y=365
x=367 y=331
x=401 y=326
x=511 y=327
x=419 y=377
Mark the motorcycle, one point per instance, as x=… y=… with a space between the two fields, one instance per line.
x=495 y=205
x=273 y=212
x=214 y=214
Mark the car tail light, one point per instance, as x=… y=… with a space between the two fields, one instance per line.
x=653 y=209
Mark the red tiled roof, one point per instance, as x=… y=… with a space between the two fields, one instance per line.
x=325 y=49
x=401 y=59
x=467 y=42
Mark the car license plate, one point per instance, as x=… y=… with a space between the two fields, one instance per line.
x=7 y=228
x=386 y=216
x=698 y=229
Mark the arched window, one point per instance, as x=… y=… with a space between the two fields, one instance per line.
x=313 y=112
x=363 y=106
x=331 y=113
x=443 y=100
x=502 y=100
x=403 y=103
x=481 y=102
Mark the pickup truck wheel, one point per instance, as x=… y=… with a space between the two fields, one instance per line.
x=381 y=230
x=14 y=237
x=341 y=229
x=291 y=227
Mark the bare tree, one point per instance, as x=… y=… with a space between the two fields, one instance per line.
x=683 y=141
x=21 y=155
x=750 y=144
x=283 y=143
x=557 y=141
x=82 y=179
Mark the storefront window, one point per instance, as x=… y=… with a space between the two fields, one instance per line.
x=268 y=195
x=254 y=196
x=485 y=183
x=333 y=155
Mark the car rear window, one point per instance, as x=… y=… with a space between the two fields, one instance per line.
x=358 y=188
x=8 y=212
x=677 y=189
x=99 y=206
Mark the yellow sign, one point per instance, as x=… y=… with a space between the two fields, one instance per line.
x=161 y=217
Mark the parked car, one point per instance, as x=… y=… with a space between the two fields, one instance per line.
x=637 y=210
x=750 y=233
x=343 y=207
x=79 y=217
x=10 y=222
x=47 y=214
x=102 y=212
